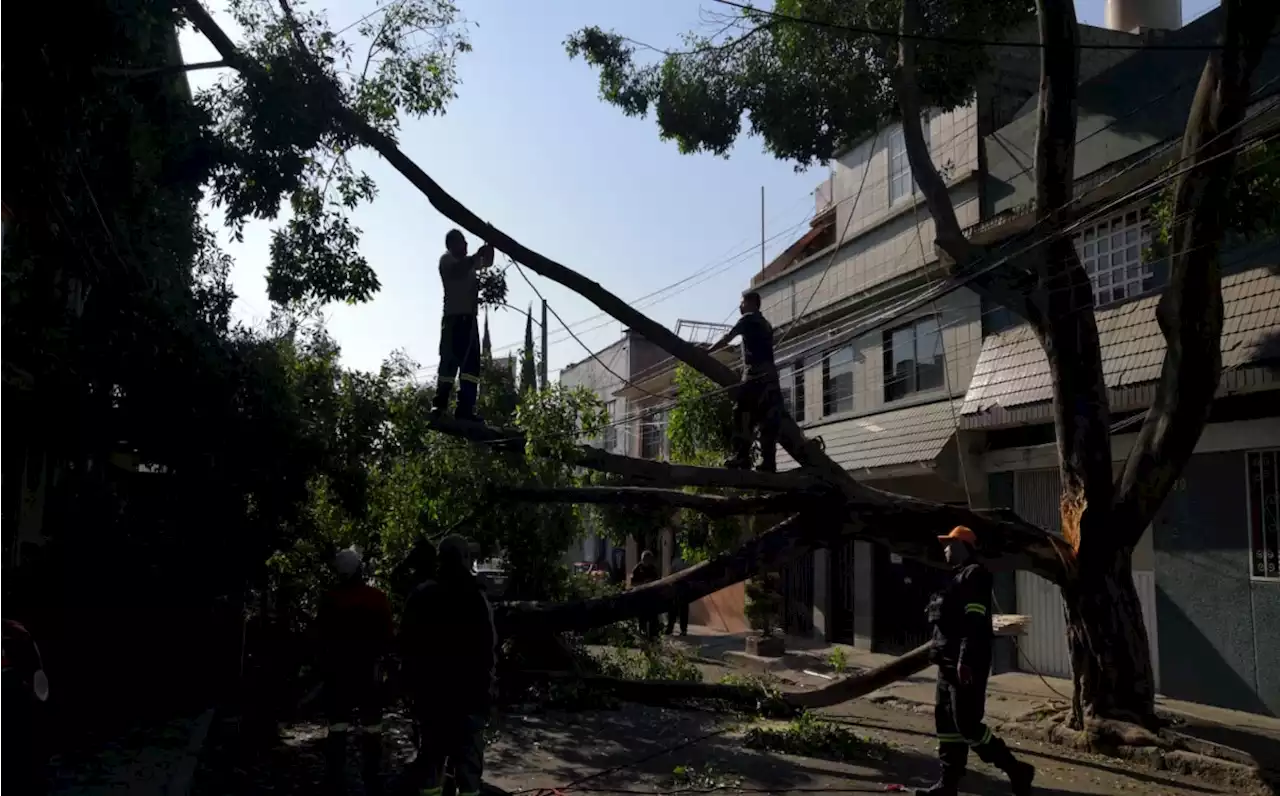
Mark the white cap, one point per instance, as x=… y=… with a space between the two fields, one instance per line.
x=347 y=562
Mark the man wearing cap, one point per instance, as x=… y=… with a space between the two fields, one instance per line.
x=448 y=643
x=961 y=617
x=356 y=632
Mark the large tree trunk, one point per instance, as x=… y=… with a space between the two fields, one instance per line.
x=1110 y=655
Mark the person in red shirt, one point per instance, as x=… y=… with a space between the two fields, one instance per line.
x=356 y=633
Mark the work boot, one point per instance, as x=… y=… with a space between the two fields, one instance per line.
x=440 y=403
x=947 y=785
x=468 y=392
x=1021 y=774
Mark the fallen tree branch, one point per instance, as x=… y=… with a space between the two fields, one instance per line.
x=787 y=540
x=713 y=505
x=653 y=472
x=873 y=513
x=664 y=692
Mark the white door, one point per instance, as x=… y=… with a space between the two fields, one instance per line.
x=1044 y=648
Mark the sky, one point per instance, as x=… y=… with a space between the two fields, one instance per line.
x=529 y=146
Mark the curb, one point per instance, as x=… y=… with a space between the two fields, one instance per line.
x=184 y=773
x=1246 y=778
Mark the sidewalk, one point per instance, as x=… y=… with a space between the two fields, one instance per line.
x=1011 y=695
x=149 y=761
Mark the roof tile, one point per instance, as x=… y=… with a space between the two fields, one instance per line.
x=1012 y=369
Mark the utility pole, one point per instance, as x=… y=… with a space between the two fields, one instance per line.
x=544 y=345
x=762 y=229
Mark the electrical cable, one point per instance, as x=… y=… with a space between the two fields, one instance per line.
x=1083 y=220
x=957 y=40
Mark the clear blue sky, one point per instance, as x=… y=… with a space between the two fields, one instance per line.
x=530 y=147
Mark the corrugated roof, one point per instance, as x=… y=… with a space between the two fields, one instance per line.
x=901 y=436
x=1013 y=370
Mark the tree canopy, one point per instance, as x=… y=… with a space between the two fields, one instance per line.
x=808 y=89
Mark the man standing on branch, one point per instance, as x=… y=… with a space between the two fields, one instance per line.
x=759 y=398
x=961 y=619
x=460 y=327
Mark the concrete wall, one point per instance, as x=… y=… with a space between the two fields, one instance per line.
x=882 y=239
x=1219 y=628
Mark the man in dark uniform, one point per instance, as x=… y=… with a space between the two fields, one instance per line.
x=961 y=619
x=356 y=633
x=759 y=398
x=448 y=645
x=460 y=328
x=647 y=572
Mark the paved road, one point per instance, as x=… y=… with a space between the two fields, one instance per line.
x=637 y=750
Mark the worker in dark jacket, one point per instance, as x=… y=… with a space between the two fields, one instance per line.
x=647 y=572
x=759 y=398
x=962 y=640
x=356 y=633
x=448 y=646
x=460 y=327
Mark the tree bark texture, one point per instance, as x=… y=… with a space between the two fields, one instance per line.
x=1110 y=655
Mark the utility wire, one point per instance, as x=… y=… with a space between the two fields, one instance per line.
x=946 y=289
x=957 y=40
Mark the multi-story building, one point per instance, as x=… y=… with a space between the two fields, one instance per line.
x=604 y=373
x=917 y=385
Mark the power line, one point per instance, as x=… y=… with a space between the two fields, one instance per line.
x=956 y=40
x=900 y=309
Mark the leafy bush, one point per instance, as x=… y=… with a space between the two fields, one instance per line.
x=810 y=736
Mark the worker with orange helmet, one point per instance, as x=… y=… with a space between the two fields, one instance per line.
x=962 y=638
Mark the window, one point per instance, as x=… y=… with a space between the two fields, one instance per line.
x=1112 y=255
x=610 y=430
x=1264 y=513
x=901 y=183
x=653 y=435
x=791 y=382
x=837 y=381
x=913 y=359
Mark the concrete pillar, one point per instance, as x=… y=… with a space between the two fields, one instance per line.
x=821 y=593
x=863 y=594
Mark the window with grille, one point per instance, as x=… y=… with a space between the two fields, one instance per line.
x=901 y=183
x=913 y=359
x=837 y=381
x=610 y=430
x=653 y=436
x=1112 y=255
x=1264 y=513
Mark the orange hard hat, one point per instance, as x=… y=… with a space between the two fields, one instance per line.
x=961 y=533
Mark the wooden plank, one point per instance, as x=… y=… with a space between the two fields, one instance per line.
x=1010 y=624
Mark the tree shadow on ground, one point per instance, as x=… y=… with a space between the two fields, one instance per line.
x=626 y=751
x=637 y=748
x=1094 y=762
